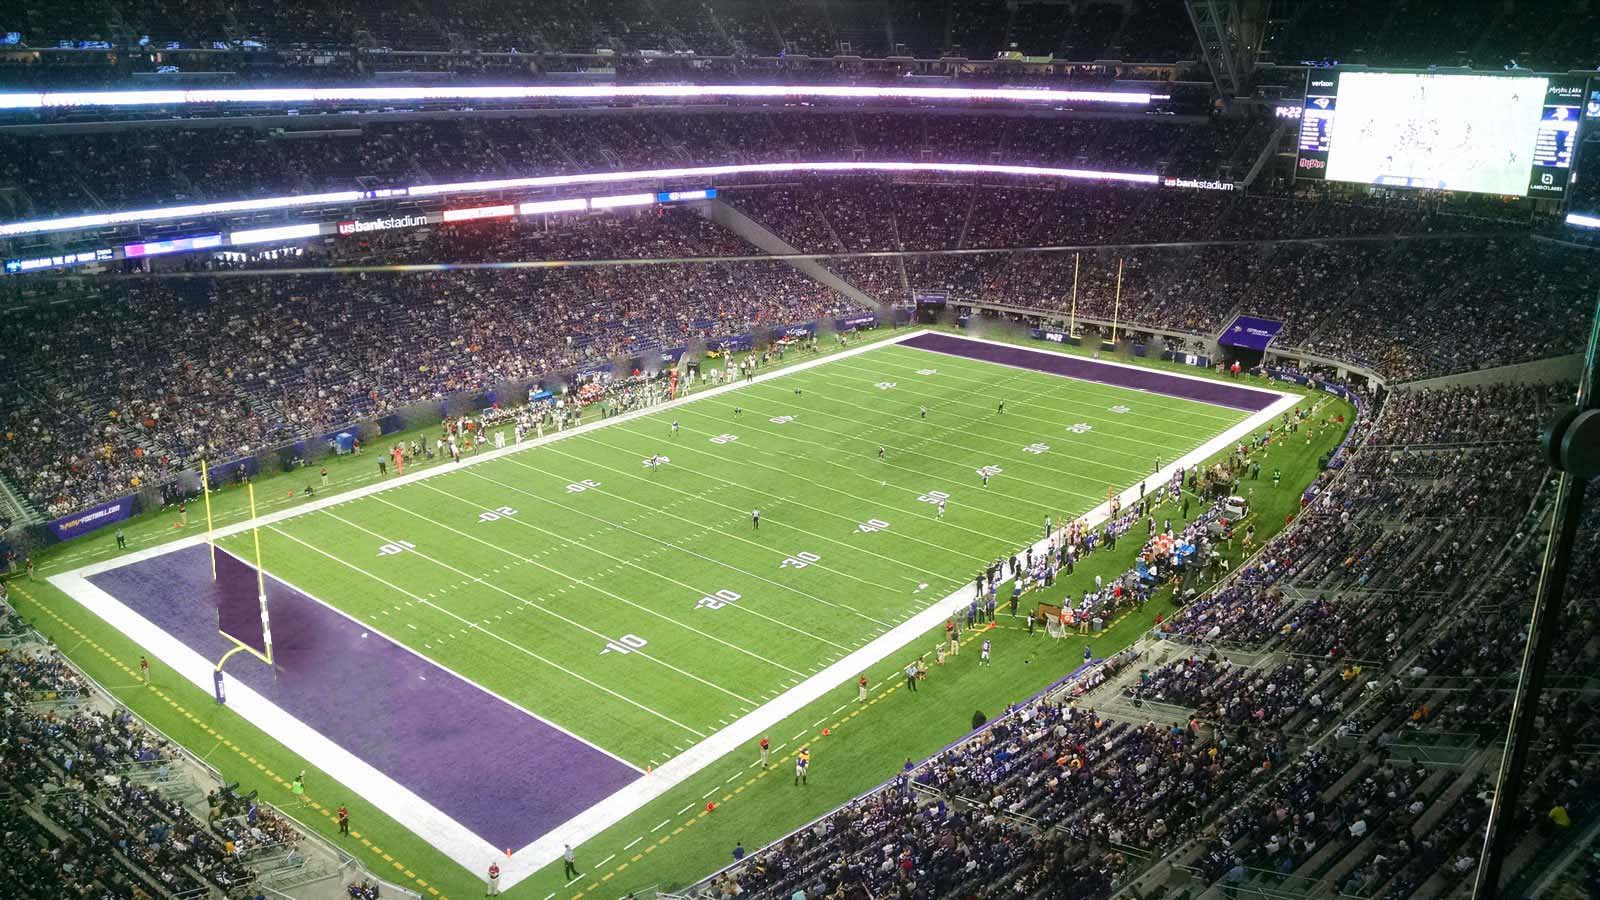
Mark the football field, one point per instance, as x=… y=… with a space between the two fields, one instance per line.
x=500 y=651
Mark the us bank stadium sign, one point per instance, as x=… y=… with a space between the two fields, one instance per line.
x=362 y=226
x=1198 y=184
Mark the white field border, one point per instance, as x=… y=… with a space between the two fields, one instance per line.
x=449 y=836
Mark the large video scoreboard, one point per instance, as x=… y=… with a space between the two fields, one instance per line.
x=1510 y=134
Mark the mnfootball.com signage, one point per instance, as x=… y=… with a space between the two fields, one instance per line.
x=94 y=517
x=389 y=223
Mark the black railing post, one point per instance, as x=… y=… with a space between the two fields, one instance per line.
x=1572 y=450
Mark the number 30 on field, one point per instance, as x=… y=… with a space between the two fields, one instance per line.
x=800 y=560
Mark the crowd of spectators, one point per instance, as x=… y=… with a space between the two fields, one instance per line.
x=1485 y=33
x=140 y=377
x=64 y=172
x=1157 y=31
x=1383 y=305
x=1336 y=634
x=92 y=810
x=122 y=381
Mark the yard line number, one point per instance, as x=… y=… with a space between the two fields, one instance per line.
x=625 y=644
x=799 y=560
x=718 y=600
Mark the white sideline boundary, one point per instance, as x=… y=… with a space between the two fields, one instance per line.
x=384 y=792
x=448 y=835
x=318 y=504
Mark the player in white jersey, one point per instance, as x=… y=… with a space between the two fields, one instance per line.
x=941 y=507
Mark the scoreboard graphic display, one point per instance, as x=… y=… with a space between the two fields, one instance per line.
x=1511 y=134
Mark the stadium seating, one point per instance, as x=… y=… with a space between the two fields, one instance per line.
x=97 y=805
x=136 y=167
x=1430 y=32
x=767 y=27
x=1295 y=726
x=248 y=363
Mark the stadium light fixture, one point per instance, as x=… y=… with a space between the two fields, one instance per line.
x=279 y=233
x=174 y=245
x=537 y=207
x=26 y=100
x=1583 y=221
x=622 y=200
x=480 y=212
x=197 y=210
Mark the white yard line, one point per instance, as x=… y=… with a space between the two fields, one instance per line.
x=468 y=623
x=1050 y=471
x=821 y=487
x=747 y=729
x=1046 y=429
x=1173 y=402
x=449 y=836
x=395 y=799
x=685 y=550
x=626 y=563
x=1099 y=362
x=897 y=565
x=585 y=583
x=321 y=503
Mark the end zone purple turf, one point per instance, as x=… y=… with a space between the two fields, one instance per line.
x=400 y=713
x=1205 y=390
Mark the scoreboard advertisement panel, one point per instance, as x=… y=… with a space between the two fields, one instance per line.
x=1510 y=134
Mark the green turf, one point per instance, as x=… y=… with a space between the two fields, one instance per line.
x=861 y=751
x=521 y=573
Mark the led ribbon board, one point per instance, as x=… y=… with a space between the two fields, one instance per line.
x=274 y=96
x=300 y=201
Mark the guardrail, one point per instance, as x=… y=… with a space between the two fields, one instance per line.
x=1264 y=883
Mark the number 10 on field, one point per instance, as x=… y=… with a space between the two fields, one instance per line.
x=625 y=644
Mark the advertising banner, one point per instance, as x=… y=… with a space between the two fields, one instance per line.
x=863 y=321
x=99 y=516
x=794 y=331
x=1250 y=333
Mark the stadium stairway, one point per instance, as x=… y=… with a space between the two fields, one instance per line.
x=725 y=215
x=14 y=506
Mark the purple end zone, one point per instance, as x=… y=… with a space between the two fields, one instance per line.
x=1204 y=390
x=501 y=773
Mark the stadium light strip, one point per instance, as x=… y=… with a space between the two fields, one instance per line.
x=279 y=233
x=622 y=200
x=257 y=96
x=300 y=201
x=1583 y=221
